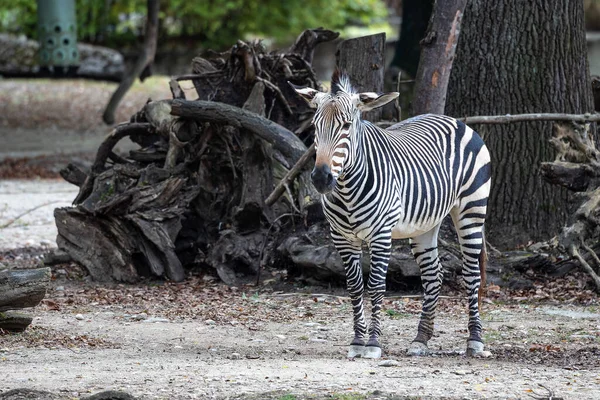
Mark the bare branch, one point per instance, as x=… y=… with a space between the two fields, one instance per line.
x=15 y=219
x=142 y=64
x=575 y=253
x=282 y=139
x=289 y=177
x=508 y=118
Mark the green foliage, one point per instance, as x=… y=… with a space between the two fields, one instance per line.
x=288 y=397
x=348 y=396
x=215 y=24
x=396 y=314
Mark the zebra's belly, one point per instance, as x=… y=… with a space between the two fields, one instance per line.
x=405 y=230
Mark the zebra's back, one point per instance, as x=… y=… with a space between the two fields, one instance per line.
x=436 y=160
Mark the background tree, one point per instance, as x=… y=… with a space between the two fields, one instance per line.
x=520 y=59
x=415 y=17
x=214 y=24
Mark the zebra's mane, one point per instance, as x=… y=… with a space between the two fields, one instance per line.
x=340 y=82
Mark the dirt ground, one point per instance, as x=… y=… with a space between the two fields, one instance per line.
x=203 y=340
x=282 y=341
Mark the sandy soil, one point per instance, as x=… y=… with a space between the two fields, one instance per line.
x=202 y=340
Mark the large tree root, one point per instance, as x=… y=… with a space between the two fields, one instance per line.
x=577 y=167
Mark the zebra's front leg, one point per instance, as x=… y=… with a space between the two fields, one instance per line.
x=351 y=252
x=425 y=251
x=380 y=249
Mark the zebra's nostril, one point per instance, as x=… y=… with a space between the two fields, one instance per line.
x=329 y=179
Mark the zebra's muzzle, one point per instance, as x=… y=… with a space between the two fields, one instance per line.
x=322 y=179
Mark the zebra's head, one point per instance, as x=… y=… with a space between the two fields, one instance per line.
x=337 y=121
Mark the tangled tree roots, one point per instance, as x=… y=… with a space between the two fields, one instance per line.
x=577 y=167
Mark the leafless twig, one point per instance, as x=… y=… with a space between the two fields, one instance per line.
x=547 y=396
x=12 y=221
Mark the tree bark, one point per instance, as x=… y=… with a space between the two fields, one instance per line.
x=512 y=59
x=437 y=55
x=142 y=64
x=23 y=288
x=363 y=59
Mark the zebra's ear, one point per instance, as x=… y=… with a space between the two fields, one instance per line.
x=307 y=93
x=369 y=100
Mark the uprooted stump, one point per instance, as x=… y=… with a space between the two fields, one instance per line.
x=193 y=194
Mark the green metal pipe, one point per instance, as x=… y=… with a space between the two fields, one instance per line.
x=57 y=29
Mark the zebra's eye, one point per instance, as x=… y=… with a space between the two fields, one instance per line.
x=346 y=126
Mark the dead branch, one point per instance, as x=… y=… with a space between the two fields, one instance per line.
x=13 y=220
x=511 y=118
x=176 y=90
x=142 y=64
x=290 y=176
x=309 y=39
x=574 y=250
x=282 y=140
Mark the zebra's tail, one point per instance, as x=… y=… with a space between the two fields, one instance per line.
x=483 y=257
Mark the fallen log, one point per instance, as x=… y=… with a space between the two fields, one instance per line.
x=23 y=288
x=14 y=322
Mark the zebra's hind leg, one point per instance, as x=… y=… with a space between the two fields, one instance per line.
x=469 y=226
x=425 y=251
x=351 y=253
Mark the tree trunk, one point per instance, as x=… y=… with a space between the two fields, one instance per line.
x=519 y=59
x=363 y=59
x=439 y=47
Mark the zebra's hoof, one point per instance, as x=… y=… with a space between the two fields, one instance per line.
x=475 y=349
x=417 y=349
x=372 y=352
x=355 y=350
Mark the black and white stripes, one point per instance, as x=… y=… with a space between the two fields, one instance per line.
x=398 y=183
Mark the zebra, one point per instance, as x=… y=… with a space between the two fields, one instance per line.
x=378 y=185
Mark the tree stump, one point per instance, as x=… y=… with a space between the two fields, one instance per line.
x=363 y=59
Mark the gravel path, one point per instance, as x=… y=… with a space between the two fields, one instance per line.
x=37 y=200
